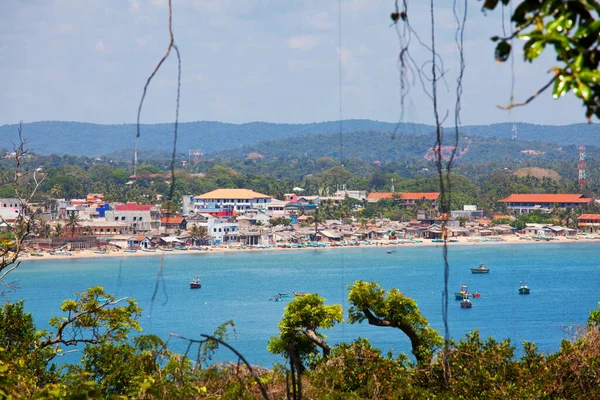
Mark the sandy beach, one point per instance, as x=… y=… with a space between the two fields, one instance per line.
x=471 y=241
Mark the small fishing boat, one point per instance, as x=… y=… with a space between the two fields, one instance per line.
x=300 y=294
x=466 y=302
x=481 y=269
x=130 y=250
x=181 y=248
x=282 y=294
x=524 y=289
x=464 y=291
x=165 y=249
x=33 y=253
x=195 y=283
x=276 y=297
x=476 y=295
x=149 y=250
x=390 y=251
x=101 y=250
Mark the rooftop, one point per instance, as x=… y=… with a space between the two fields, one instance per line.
x=546 y=198
x=404 y=195
x=245 y=194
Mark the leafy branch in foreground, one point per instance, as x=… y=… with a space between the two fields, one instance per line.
x=572 y=28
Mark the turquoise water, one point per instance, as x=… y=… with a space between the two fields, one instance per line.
x=564 y=281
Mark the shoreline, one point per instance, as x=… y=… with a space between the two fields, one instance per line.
x=468 y=241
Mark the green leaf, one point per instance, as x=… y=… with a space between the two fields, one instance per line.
x=502 y=51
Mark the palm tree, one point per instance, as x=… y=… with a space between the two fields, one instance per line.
x=72 y=222
x=317 y=219
x=58 y=229
x=199 y=233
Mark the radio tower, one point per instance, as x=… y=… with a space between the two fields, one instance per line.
x=514 y=132
x=393 y=185
x=582 y=182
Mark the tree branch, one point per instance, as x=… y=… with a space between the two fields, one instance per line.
x=531 y=98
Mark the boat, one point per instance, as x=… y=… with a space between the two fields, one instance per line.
x=464 y=291
x=181 y=248
x=130 y=250
x=300 y=294
x=33 y=253
x=481 y=269
x=466 y=302
x=165 y=249
x=282 y=294
x=149 y=250
x=390 y=251
x=276 y=297
x=101 y=250
x=195 y=283
x=476 y=295
x=524 y=289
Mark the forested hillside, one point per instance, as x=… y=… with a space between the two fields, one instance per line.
x=86 y=139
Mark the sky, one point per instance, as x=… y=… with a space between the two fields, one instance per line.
x=254 y=60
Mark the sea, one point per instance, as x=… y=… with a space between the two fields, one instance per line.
x=564 y=279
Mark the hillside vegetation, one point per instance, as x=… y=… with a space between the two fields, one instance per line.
x=87 y=139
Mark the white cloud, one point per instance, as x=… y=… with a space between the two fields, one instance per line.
x=350 y=64
x=319 y=21
x=134 y=5
x=100 y=47
x=306 y=42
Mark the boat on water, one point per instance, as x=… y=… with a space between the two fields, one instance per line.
x=300 y=294
x=466 y=302
x=195 y=283
x=524 y=289
x=481 y=269
x=476 y=295
x=282 y=294
x=277 y=297
x=390 y=251
x=462 y=293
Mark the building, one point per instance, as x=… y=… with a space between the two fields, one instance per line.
x=526 y=203
x=140 y=218
x=406 y=198
x=173 y=223
x=589 y=223
x=228 y=201
x=9 y=209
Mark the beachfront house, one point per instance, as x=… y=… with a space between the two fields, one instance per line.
x=140 y=218
x=589 y=223
x=173 y=223
x=228 y=202
x=526 y=203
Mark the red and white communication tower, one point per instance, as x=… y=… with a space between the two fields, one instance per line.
x=582 y=182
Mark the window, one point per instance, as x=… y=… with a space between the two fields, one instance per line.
x=116 y=218
x=140 y=219
x=122 y=218
x=134 y=218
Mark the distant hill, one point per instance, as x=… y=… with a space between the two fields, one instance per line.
x=375 y=146
x=86 y=139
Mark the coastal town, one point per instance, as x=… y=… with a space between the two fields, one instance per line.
x=242 y=218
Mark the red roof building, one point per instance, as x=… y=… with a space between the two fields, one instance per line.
x=525 y=203
x=133 y=207
x=407 y=198
x=589 y=223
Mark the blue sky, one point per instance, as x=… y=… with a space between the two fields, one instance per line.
x=250 y=60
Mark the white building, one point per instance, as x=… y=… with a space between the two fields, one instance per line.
x=220 y=231
x=240 y=200
x=9 y=208
x=140 y=218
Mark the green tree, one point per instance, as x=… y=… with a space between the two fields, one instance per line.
x=299 y=337
x=369 y=302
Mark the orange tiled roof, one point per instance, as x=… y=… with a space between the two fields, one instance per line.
x=546 y=198
x=171 y=220
x=404 y=195
x=245 y=194
x=595 y=217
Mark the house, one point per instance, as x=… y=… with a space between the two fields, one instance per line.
x=405 y=198
x=9 y=209
x=220 y=231
x=140 y=218
x=173 y=223
x=525 y=203
x=230 y=200
x=98 y=227
x=589 y=223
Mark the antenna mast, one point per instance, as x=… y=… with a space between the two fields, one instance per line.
x=514 y=132
x=582 y=181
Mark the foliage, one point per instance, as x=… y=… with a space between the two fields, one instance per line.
x=572 y=29
x=369 y=302
x=298 y=336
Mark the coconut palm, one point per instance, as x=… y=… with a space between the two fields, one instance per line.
x=72 y=223
x=58 y=229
